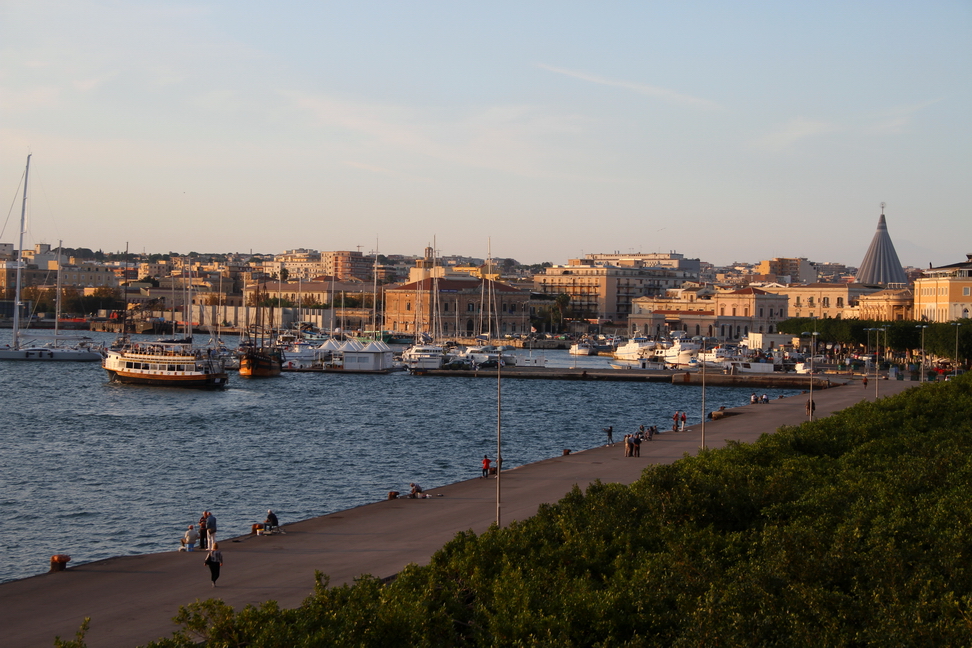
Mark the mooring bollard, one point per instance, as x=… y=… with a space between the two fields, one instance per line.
x=59 y=562
x=392 y=495
x=566 y=452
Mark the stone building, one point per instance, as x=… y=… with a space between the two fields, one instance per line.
x=457 y=307
x=944 y=294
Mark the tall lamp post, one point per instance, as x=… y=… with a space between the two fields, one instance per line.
x=922 y=327
x=956 y=325
x=703 y=391
x=499 y=432
x=813 y=349
x=877 y=353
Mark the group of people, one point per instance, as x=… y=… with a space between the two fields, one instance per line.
x=754 y=399
x=632 y=442
x=206 y=537
x=677 y=419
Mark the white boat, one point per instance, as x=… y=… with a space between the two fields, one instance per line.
x=745 y=366
x=582 y=348
x=635 y=349
x=681 y=353
x=165 y=364
x=54 y=350
x=641 y=363
x=423 y=356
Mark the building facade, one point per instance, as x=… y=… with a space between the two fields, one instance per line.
x=727 y=315
x=606 y=292
x=944 y=294
x=457 y=307
x=822 y=299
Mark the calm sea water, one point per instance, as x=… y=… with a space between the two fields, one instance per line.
x=95 y=470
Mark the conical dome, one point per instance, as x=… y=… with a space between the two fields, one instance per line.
x=880 y=264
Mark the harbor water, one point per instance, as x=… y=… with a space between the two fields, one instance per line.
x=94 y=469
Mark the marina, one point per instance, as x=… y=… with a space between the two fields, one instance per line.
x=96 y=469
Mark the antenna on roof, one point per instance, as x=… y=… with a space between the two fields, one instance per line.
x=883 y=205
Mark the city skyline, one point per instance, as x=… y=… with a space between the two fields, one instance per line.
x=726 y=133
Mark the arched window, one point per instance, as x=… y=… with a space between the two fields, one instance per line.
x=408 y=306
x=698 y=329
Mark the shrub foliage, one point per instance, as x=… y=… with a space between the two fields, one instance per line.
x=849 y=531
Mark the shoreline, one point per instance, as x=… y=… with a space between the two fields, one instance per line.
x=131 y=599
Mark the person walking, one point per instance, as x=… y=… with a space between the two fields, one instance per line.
x=683 y=422
x=865 y=382
x=214 y=560
x=486 y=463
x=609 y=430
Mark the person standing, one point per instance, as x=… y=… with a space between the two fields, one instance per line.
x=865 y=382
x=683 y=422
x=651 y=432
x=627 y=445
x=202 y=530
x=486 y=463
x=211 y=529
x=609 y=430
x=635 y=445
x=675 y=421
x=214 y=560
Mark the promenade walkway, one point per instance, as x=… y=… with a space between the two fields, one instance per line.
x=131 y=600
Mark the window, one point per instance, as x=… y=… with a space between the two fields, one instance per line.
x=761 y=312
x=965 y=291
x=826 y=302
x=840 y=302
x=733 y=312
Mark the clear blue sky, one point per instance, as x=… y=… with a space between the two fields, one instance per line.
x=722 y=130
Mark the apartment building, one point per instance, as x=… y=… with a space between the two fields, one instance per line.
x=605 y=292
x=944 y=294
x=822 y=299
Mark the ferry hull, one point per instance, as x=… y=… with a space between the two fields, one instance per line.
x=203 y=381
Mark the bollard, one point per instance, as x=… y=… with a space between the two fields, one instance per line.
x=566 y=452
x=392 y=495
x=59 y=562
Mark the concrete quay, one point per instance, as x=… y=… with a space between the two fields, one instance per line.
x=131 y=600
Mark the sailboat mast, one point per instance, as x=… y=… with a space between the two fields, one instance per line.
x=374 y=295
x=20 y=261
x=57 y=296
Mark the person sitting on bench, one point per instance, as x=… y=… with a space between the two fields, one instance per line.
x=416 y=490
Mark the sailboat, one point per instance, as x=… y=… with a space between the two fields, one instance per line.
x=53 y=351
x=263 y=361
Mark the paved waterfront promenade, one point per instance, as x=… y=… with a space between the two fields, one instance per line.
x=131 y=600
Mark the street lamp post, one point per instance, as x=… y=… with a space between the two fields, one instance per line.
x=813 y=349
x=877 y=354
x=922 y=327
x=703 y=392
x=955 y=370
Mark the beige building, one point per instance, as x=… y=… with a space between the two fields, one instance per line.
x=457 y=307
x=822 y=299
x=945 y=294
x=887 y=305
x=729 y=315
x=605 y=292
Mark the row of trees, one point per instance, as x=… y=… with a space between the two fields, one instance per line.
x=848 y=531
x=902 y=336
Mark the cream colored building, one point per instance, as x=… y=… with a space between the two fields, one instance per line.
x=799 y=270
x=605 y=292
x=889 y=305
x=945 y=294
x=729 y=315
x=823 y=300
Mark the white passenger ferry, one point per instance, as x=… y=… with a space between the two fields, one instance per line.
x=166 y=364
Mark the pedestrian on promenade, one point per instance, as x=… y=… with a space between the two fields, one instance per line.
x=609 y=430
x=211 y=529
x=486 y=463
x=811 y=406
x=675 y=421
x=683 y=421
x=627 y=445
x=865 y=382
x=651 y=432
x=635 y=445
x=214 y=560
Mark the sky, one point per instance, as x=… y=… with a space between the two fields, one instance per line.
x=542 y=131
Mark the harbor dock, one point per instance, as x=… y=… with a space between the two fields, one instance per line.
x=131 y=600
x=712 y=378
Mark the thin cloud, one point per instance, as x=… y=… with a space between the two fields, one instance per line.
x=896 y=119
x=795 y=131
x=664 y=94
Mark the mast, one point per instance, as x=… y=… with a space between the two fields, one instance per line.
x=374 y=295
x=57 y=297
x=20 y=261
